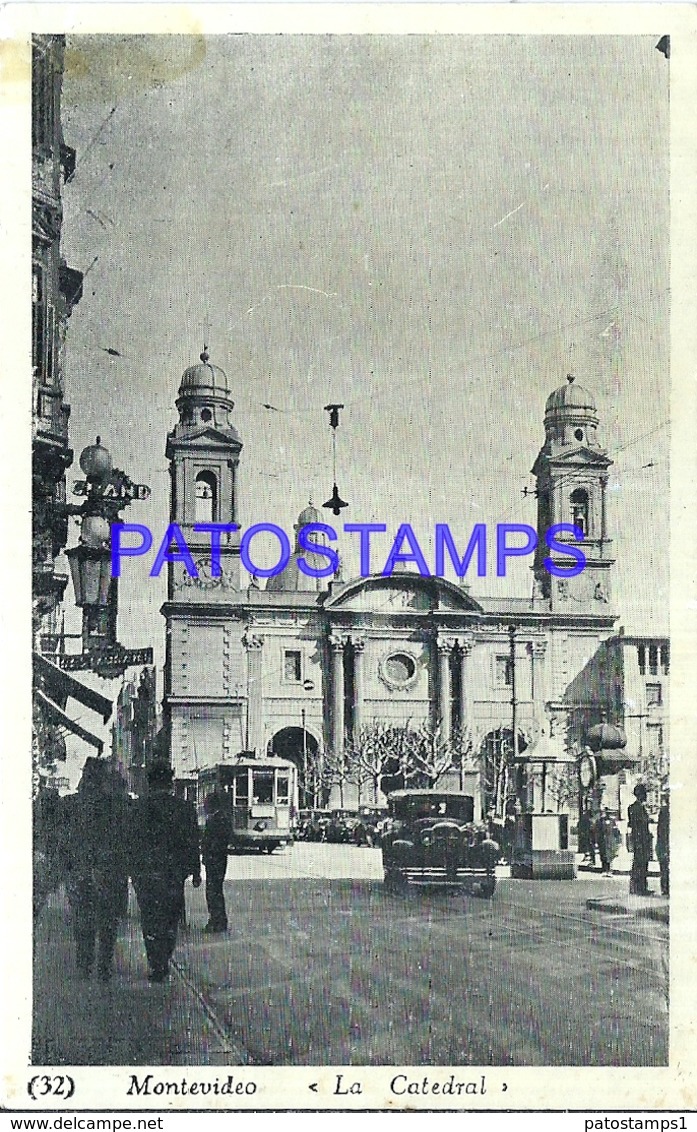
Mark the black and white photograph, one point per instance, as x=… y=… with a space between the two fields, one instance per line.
x=352 y=404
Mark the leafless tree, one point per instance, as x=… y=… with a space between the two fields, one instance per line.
x=467 y=751
x=431 y=754
x=320 y=776
x=335 y=771
x=563 y=786
x=377 y=749
x=406 y=756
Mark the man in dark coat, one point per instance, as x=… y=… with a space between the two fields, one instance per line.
x=48 y=846
x=640 y=839
x=215 y=843
x=164 y=847
x=606 y=839
x=95 y=862
x=586 y=836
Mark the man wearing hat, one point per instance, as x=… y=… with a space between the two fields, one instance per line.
x=164 y=852
x=640 y=837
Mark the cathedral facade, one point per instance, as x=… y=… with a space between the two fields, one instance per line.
x=304 y=666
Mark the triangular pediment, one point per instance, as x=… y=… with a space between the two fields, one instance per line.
x=205 y=437
x=575 y=457
x=401 y=593
x=582 y=456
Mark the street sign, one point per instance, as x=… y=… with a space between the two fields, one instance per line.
x=116 y=488
x=106 y=658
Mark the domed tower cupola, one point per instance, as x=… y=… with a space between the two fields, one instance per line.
x=571 y=473
x=571 y=418
x=204 y=396
x=203 y=450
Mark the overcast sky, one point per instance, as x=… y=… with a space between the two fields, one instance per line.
x=433 y=230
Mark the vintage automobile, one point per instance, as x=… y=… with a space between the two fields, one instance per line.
x=343 y=827
x=373 y=818
x=430 y=839
x=315 y=828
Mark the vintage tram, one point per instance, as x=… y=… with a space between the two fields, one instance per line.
x=261 y=796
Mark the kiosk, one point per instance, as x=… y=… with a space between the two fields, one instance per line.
x=541 y=849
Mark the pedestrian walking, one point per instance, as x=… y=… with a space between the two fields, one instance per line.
x=94 y=857
x=507 y=839
x=164 y=847
x=586 y=837
x=663 y=844
x=639 y=842
x=607 y=839
x=47 y=847
x=215 y=844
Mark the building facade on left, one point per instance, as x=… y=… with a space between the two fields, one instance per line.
x=56 y=289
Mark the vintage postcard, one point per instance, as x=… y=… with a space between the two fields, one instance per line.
x=349 y=414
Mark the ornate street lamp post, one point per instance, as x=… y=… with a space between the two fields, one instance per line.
x=107 y=491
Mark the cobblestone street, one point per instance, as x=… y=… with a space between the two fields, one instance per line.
x=322 y=966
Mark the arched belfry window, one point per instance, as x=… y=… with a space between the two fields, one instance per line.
x=579 y=509
x=206 y=497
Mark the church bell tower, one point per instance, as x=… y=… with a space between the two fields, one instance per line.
x=204 y=451
x=571 y=471
x=204 y=658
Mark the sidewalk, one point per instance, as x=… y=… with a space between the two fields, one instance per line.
x=622 y=865
x=125 y=1022
x=647 y=907
x=596 y=891
x=652 y=907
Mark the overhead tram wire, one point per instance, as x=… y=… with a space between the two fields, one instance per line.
x=91 y=144
x=572 y=475
x=371 y=398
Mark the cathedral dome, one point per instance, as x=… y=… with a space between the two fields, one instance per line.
x=570 y=396
x=293 y=579
x=205 y=377
x=309 y=515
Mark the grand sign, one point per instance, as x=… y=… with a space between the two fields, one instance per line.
x=105 y=659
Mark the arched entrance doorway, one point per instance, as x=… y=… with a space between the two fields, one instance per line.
x=301 y=747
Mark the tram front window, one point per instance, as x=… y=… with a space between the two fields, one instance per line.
x=263 y=787
x=241 y=790
x=282 y=790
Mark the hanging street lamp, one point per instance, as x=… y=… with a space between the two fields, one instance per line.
x=107 y=490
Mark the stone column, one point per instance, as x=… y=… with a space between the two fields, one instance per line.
x=465 y=649
x=603 y=513
x=445 y=648
x=358 y=648
x=255 y=700
x=337 y=644
x=537 y=650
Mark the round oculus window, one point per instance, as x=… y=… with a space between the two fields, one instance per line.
x=400 y=668
x=579 y=434
x=206 y=415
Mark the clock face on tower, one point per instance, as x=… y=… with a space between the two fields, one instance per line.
x=206 y=580
x=203 y=567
